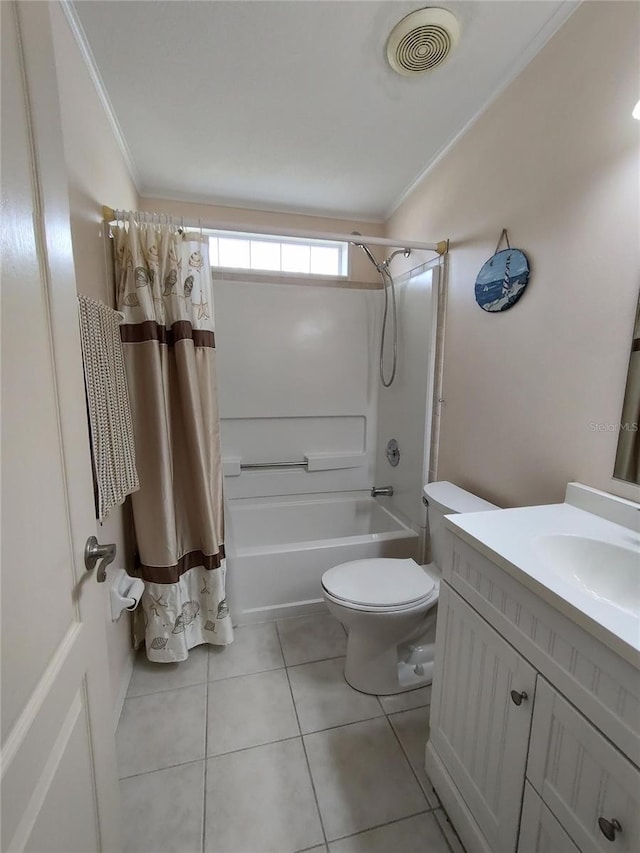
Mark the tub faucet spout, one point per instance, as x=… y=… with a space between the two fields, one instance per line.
x=382 y=491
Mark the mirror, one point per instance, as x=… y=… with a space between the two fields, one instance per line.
x=627 y=466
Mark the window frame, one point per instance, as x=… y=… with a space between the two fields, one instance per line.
x=249 y=237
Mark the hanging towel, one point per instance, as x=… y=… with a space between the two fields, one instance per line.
x=112 y=442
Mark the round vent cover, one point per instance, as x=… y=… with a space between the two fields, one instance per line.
x=422 y=40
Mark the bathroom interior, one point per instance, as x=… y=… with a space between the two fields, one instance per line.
x=406 y=243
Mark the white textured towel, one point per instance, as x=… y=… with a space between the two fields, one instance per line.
x=112 y=442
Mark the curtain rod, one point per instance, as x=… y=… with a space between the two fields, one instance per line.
x=441 y=247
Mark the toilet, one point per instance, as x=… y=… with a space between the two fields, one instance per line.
x=388 y=606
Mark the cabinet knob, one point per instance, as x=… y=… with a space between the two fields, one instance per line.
x=609 y=828
x=518 y=698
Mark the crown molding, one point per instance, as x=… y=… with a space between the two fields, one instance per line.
x=80 y=37
x=544 y=34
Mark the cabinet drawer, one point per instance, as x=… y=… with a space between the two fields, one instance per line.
x=581 y=776
x=540 y=832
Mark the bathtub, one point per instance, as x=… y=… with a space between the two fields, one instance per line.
x=279 y=547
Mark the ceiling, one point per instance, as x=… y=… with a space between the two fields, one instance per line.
x=290 y=104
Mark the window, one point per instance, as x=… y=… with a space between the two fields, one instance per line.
x=263 y=253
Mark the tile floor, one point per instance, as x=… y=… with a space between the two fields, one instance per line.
x=263 y=747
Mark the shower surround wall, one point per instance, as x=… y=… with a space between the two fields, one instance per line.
x=295 y=377
x=405 y=408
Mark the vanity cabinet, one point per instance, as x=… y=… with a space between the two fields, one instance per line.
x=534 y=723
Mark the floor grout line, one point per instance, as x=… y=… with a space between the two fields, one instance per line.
x=160 y=769
x=386 y=823
x=315 y=660
x=413 y=770
x=254 y=746
x=206 y=749
x=304 y=748
x=404 y=710
x=343 y=725
x=165 y=690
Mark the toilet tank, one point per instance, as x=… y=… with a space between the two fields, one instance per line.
x=446 y=499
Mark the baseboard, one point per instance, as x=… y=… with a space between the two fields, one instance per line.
x=461 y=818
x=124 y=687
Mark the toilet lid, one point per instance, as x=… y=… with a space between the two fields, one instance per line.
x=378 y=583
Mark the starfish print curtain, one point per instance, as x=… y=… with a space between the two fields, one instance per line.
x=163 y=281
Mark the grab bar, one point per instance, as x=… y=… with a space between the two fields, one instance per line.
x=248 y=466
x=313 y=462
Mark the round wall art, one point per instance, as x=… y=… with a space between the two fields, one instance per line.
x=502 y=280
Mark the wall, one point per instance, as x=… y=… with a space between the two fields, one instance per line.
x=97 y=175
x=554 y=159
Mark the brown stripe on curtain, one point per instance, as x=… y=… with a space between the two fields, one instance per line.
x=171 y=574
x=181 y=330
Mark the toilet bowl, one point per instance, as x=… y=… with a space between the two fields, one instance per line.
x=388 y=607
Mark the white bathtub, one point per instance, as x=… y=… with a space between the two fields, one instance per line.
x=279 y=547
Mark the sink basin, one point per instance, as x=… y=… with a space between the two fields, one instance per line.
x=604 y=570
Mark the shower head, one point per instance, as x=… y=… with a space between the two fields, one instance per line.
x=365 y=249
x=404 y=252
x=382 y=267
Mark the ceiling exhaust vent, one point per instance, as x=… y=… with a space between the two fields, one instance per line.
x=422 y=40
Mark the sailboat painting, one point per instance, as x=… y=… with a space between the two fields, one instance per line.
x=502 y=280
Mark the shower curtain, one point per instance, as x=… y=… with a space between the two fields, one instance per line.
x=163 y=282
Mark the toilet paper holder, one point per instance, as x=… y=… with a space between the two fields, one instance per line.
x=125 y=593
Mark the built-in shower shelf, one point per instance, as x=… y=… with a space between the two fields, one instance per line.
x=334 y=461
x=234 y=467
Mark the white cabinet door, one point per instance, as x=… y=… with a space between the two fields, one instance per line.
x=582 y=777
x=540 y=832
x=59 y=783
x=478 y=731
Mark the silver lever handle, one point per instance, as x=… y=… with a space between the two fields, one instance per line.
x=94 y=551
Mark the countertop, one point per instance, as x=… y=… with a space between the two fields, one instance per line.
x=507 y=537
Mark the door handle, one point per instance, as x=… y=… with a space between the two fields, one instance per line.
x=94 y=552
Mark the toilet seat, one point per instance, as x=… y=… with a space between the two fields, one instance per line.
x=379 y=585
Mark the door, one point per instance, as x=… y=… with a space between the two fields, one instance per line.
x=588 y=784
x=479 y=730
x=59 y=783
x=540 y=832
